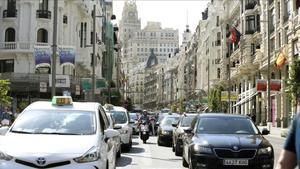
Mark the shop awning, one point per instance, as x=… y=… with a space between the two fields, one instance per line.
x=246 y=99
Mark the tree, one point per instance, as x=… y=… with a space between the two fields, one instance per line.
x=174 y=107
x=81 y=71
x=182 y=105
x=128 y=104
x=294 y=82
x=4 y=89
x=214 y=99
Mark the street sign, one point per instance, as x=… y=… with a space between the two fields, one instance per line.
x=43 y=87
x=60 y=80
x=225 y=96
x=86 y=84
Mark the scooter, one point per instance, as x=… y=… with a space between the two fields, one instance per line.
x=144 y=131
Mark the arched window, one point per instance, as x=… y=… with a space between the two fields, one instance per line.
x=10 y=35
x=42 y=36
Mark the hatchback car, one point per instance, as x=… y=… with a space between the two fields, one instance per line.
x=165 y=130
x=185 y=122
x=58 y=134
x=121 y=119
x=226 y=141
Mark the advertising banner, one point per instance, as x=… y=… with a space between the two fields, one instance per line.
x=42 y=56
x=66 y=55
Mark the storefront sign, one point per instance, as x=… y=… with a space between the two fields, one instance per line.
x=61 y=81
x=43 y=87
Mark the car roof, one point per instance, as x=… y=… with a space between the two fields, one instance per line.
x=222 y=115
x=47 y=105
x=116 y=108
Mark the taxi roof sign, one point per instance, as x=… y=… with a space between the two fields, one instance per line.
x=62 y=100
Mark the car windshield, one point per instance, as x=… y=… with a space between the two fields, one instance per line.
x=133 y=116
x=226 y=125
x=62 y=122
x=119 y=116
x=167 y=121
x=187 y=121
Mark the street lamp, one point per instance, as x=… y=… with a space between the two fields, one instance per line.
x=53 y=65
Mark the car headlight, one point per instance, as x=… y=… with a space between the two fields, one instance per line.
x=267 y=150
x=92 y=155
x=202 y=149
x=4 y=156
x=165 y=132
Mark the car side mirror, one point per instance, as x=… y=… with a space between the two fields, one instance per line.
x=188 y=130
x=110 y=133
x=3 y=130
x=265 y=131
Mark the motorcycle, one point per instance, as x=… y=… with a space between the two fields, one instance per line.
x=144 y=131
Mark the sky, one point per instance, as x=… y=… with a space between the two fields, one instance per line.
x=171 y=13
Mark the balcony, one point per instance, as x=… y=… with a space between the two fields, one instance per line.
x=19 y=46
x=43 y=14
x=250 y=5
x=10 y=13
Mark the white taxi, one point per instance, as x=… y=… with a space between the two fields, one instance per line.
x=121 y=119
x=59 y=134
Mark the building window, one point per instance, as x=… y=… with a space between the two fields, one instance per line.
x=81 y=35
x=65 y=19
x=217 y=21
x=11 y=9
x=287 y=10
x=42 y=36
x=272 y=45
x=84 y=32
x=279 y=40
x=6 y=66
x=295 y=48
x=250 y=24
x=10 y=35
x=272 y=20
x=218 y=73
x=43 y=5
x=252 y=49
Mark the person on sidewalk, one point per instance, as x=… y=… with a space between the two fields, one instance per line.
x=290 y=155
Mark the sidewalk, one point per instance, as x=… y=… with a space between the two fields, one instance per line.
x=275 y=131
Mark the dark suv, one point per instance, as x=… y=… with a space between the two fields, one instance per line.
x=226 y=141
x=186 y=121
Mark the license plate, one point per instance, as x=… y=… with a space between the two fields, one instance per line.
x=144 y=132
x=235 y=162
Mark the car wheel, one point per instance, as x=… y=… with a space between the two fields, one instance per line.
x=184 y=162
x=158 y=142
x=190 y=164
x=177 y=152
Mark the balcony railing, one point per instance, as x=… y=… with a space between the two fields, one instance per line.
x=10 y=13
x=13 y=46
x=43 y=14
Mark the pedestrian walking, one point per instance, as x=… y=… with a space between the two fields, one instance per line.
x=7 y=117
x=290 y=155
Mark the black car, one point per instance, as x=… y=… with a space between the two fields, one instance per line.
x=226 y=141
x=185 y=122
x=165 y=130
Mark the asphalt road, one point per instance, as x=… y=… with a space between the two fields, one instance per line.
x=152 y=156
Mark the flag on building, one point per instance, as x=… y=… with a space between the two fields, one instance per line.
x=280 y=61
x=235 y=35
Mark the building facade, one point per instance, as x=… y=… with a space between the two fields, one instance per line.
x=27 y=26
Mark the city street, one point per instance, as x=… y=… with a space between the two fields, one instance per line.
x=151 y=156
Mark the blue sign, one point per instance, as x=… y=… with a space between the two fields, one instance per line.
x=67 y=56
x=42 y=56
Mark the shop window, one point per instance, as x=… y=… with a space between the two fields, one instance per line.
x=6 y=66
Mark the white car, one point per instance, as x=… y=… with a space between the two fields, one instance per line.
x=116 y=139
x=58 y=134
x=121 y=118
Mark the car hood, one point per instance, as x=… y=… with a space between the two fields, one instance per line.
x=222 y=140
x=23 y=144
x=167 y=128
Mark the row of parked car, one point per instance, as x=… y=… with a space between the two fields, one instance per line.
x=66 y=134
x=216 y=140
